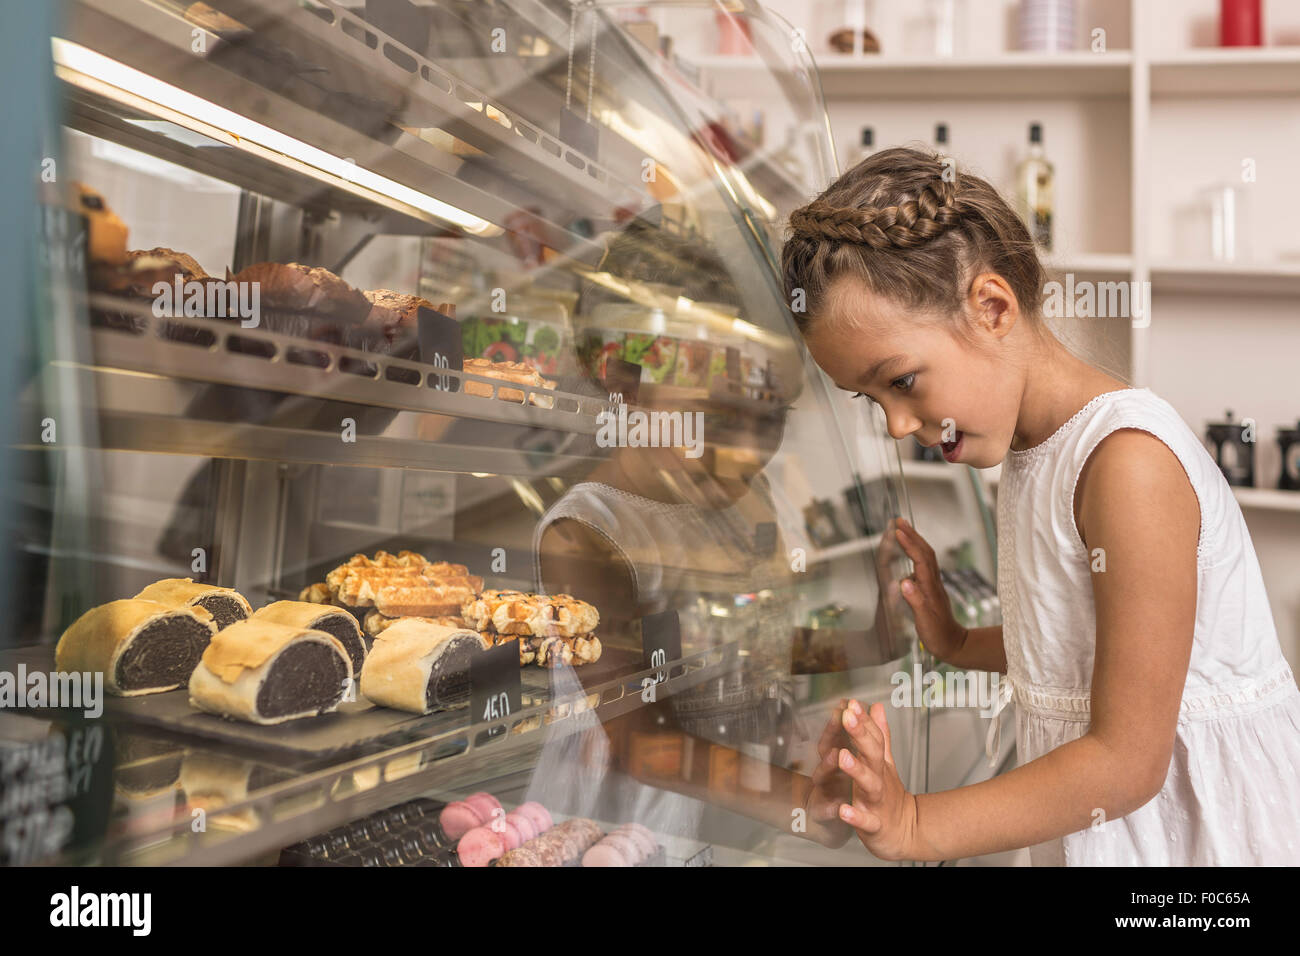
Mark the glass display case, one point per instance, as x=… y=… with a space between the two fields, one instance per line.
x=443 y=346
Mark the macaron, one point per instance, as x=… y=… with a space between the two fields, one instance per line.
x=479 y=847
x=520 y=821
x=509 y=835
x=540 y=816
x=643 y=840
x=458 y=818
x=485 y=805
x=604 y=854
x=626 y=845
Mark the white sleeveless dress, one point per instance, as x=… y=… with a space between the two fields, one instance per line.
x=1232 y=795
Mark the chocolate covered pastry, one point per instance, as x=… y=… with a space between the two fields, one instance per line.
x=267 y=673
x=336 y=622
x=293 y=287
x=141 y=647
x=226 y=605
x=420 y=667
x=515 y=372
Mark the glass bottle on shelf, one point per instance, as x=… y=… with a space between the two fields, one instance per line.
x=866 y=145
x=1034 y=181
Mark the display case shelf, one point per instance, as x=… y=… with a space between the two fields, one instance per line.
x=1231 y=71
x=449 y=754
x=1226 y=278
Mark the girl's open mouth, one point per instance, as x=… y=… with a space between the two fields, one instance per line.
x=952 y=449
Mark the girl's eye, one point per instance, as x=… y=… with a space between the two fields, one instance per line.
x=905 y=382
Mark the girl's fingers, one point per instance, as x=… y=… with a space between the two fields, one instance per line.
x=867 y=782
x=863 y=732
x=863 y=820
x=878 y=718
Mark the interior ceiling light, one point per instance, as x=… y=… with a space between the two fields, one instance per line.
x=78 y=64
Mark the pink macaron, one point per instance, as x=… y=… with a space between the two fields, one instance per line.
x=604 y=854
x=479 y=847
x=540 y=816
x=485 y=805
x=521 y=822
x=457 y=819
x=508 y=833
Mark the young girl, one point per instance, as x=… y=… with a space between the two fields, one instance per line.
x=1157 y=722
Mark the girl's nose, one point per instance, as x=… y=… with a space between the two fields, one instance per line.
x=900 y=425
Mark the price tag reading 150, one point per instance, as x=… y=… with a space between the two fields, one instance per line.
x=494 y=685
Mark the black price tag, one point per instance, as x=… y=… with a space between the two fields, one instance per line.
x=579 y=133
x=765 y=539
x=622 y=378
x=661 y=642
x=733 y=364
x=441 y=346
x=494 y=685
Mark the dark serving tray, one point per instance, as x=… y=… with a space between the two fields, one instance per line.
x=354 y=726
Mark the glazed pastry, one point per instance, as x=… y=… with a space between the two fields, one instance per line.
x=420 y=667
x=293 y=287
x=319 y=617
x=226 y=605
x=515 y=372
x=141 y=647
x=267 y=673
x=519 y=612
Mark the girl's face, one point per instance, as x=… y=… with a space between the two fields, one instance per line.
x=930 y=383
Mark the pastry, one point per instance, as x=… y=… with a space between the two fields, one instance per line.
x=392 y=324
x=319 y=617
x=142 y=647
x=515 y=372
x=616 y=849
x=226 y=605
x=523 y=825
x=376 y=623
x=487 y=806
x=318 y=593
x=524 y=855
x=404 y=585
x=420 y=667
x=540 y=816
x=106 y=242
x=518 y=612
x=267 y=673
x=293 y=287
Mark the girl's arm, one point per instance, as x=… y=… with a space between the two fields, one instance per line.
x=1135 y=503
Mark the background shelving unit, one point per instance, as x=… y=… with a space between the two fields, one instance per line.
x=1136 y=132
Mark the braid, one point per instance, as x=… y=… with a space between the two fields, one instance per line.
x=908 y=224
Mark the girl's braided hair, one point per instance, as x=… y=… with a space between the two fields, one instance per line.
x=914 y=230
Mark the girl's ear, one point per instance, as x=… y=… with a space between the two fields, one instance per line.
x=992 y=303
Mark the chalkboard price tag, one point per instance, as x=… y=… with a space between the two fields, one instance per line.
x=494 y=685
x=661 y=642
x=765 y=539
x=622 y=378
x=441 y=346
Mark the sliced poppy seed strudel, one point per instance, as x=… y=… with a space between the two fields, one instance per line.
x=319 y=617
x=141 y=647
x=420 y=667
x=267 y=673
x=225 y=604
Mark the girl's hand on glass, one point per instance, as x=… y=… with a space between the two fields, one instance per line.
x=881 y=811
x=924 y=592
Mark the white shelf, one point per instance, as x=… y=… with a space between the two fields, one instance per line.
x=1011 y=75
x=1235 y=71
x=1269 y=499
x=1229 y=278
x=835 y=551
x=1098 y=263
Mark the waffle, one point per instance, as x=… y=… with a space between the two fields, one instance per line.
x=552 y=651
x=376 y=623
x=403 y=585
x=535 y=615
